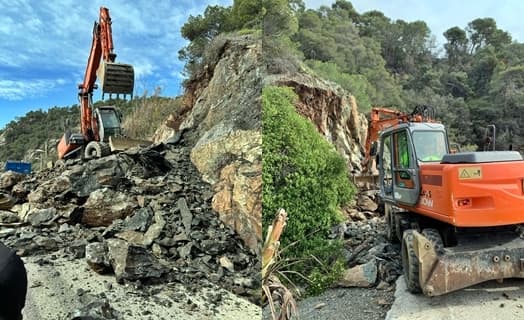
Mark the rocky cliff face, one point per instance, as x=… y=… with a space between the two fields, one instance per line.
x=333 y=111
x=221 y=117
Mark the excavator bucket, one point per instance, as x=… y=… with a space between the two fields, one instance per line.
x=479 y=259
x=124 y=143
x=116 y=78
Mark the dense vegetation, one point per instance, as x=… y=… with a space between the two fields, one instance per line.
x=32 y=130
x=476 y=79
x=305 y=175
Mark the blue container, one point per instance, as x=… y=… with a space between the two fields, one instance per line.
x=18 y=166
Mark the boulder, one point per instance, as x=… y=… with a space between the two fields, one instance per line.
x=132 y=263
x=147 y=238
x=366 y=203
x=37 y=217
x=8 y=217
x=10 y=178
x=364 y=275
x=97 y=257
x=47 y=190
x=105 y=205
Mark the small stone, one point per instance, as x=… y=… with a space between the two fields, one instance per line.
x=157 y=250
x=244 y=282
x=383 y=285
x=141 y=200
x=226 y=263
x=185 y=251
x=319 y=306
x=180 y=237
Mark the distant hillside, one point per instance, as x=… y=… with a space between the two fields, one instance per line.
x=39 y=128
x=32 y=130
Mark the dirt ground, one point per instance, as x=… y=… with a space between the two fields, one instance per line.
x=344 y=303
x=347 y=303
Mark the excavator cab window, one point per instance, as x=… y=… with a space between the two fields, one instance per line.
x=430 y=146
x=402 y=160
x=385 y=166
x=110 y=119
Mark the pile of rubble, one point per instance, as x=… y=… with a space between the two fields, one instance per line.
x=144 y=215
x=371 y=260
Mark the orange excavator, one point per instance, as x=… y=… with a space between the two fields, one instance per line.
x=101 y=126
x=459 y=216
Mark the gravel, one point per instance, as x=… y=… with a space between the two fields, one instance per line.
x=347 y=303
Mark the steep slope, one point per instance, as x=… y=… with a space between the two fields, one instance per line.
x=221 y=118
x=333 y=110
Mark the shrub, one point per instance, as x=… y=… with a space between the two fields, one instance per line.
x=146 y=114
x=305 y=175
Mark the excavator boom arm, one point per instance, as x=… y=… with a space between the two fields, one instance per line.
x=101 y=48
x=382 y=118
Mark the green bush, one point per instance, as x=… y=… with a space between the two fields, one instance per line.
x=305 y=175
x=356 y=84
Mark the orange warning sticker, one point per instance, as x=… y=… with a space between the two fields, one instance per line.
x=470 y=173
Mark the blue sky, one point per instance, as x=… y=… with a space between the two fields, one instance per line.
x=441 y=15
x=44 y=46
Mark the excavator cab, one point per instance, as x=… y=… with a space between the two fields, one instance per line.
x=109 y=122
x=398 y=166
x=403 y=149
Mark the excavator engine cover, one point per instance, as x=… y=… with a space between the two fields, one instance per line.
x=116 y=78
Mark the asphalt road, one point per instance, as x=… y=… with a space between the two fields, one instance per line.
x=55 y=289
x=490 y=300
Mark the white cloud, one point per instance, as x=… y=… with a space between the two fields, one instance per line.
x=43 y=40
x=21 y=89
x=143 y=68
